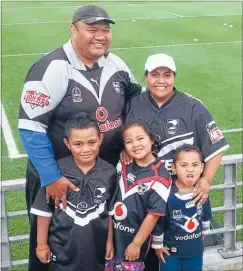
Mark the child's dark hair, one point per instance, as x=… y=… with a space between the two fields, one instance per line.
x=186 y=148
x=145 y=126
x=80 y=121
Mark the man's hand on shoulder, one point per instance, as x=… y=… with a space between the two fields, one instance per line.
x=58 y=191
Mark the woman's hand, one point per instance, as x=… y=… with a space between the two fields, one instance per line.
x=200 y=193
x=125 y=158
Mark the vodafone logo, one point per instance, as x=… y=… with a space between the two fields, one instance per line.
x=101 y=114
x=106 y=125
x=120 y=211
x=191 y=225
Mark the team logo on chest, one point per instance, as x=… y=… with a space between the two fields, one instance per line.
x=141 y=188
x=99 y=194
x=76 y=95
x=131 y=178
x=116 y=86
x=172 y=126
x=177 y=214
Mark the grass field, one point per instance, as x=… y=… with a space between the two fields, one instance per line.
x=210 y=68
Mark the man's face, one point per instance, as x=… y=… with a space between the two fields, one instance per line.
x=91 y=41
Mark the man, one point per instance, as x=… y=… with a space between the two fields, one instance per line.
x=80 y=76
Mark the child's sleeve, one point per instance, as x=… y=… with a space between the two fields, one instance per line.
x=114 y=186
x=158 y=233
x=158 y=195
x=40 y=206
x=207 y=217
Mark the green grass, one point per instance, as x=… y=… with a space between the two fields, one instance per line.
x=212 y=72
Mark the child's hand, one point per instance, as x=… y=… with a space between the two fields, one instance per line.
x=132 y=252
x=109 y=255
x=43 y=253
x=159 y=252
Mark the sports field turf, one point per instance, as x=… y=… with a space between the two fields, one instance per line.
x=209 y=68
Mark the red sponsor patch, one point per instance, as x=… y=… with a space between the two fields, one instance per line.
x=214 y=132
x=36 y=99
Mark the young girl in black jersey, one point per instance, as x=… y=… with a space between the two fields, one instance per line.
x=144 y=186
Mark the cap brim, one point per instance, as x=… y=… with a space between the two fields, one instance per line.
x=94 y=20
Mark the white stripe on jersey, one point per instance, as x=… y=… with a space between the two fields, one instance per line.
x=173 y=146
x=217 y=152
x=78 y=211
x=40 y=213
x=172 y=138
x=85 y=220
x=161 y=190
x=32 y=125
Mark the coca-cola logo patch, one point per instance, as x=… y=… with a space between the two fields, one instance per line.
x=36 y=99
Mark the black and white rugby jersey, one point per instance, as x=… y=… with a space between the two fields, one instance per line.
x=77 y=237
x=59 y=85
x=181 y=120
x=142 y=191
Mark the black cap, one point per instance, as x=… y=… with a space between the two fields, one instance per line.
x=91 y=14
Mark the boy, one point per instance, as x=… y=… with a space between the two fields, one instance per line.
x=181 y=231
x=77 y=237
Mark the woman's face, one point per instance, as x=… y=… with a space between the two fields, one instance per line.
x=160 y=83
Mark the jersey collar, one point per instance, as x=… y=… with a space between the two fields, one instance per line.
x=167 y=102
x=75 y=60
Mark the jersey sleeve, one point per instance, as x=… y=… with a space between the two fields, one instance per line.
x=45 y=86
x=158 y=195
x=113 y=193
x=209 y=138
x=207 y=217
x=158 y=233
x=40 y=206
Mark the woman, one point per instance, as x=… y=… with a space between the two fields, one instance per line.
x=177 y=119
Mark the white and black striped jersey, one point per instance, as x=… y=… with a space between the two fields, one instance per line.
x=59 y=85
x=181 y=120
x=142 y=191
x=77 y=237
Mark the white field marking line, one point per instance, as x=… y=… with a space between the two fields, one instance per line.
x=130 y=19
x=235 y=130
x=143 y=47
x=7 y=132
x=174 y=14
x=56 y=7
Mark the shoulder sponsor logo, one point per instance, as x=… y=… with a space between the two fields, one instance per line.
x=82 y=206
x=37 y=99
x=190 y=204
x=106 y=125
x=76 y=95
x=172 y=126
x=116 y=86
x=214 y=132
x=99 y=194
x=120 y=211
x=177 y=214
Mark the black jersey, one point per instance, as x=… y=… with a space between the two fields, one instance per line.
x=142 y=190
x=182 y=229
x=181 y=120
x=77 y=237
x=59 y=85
